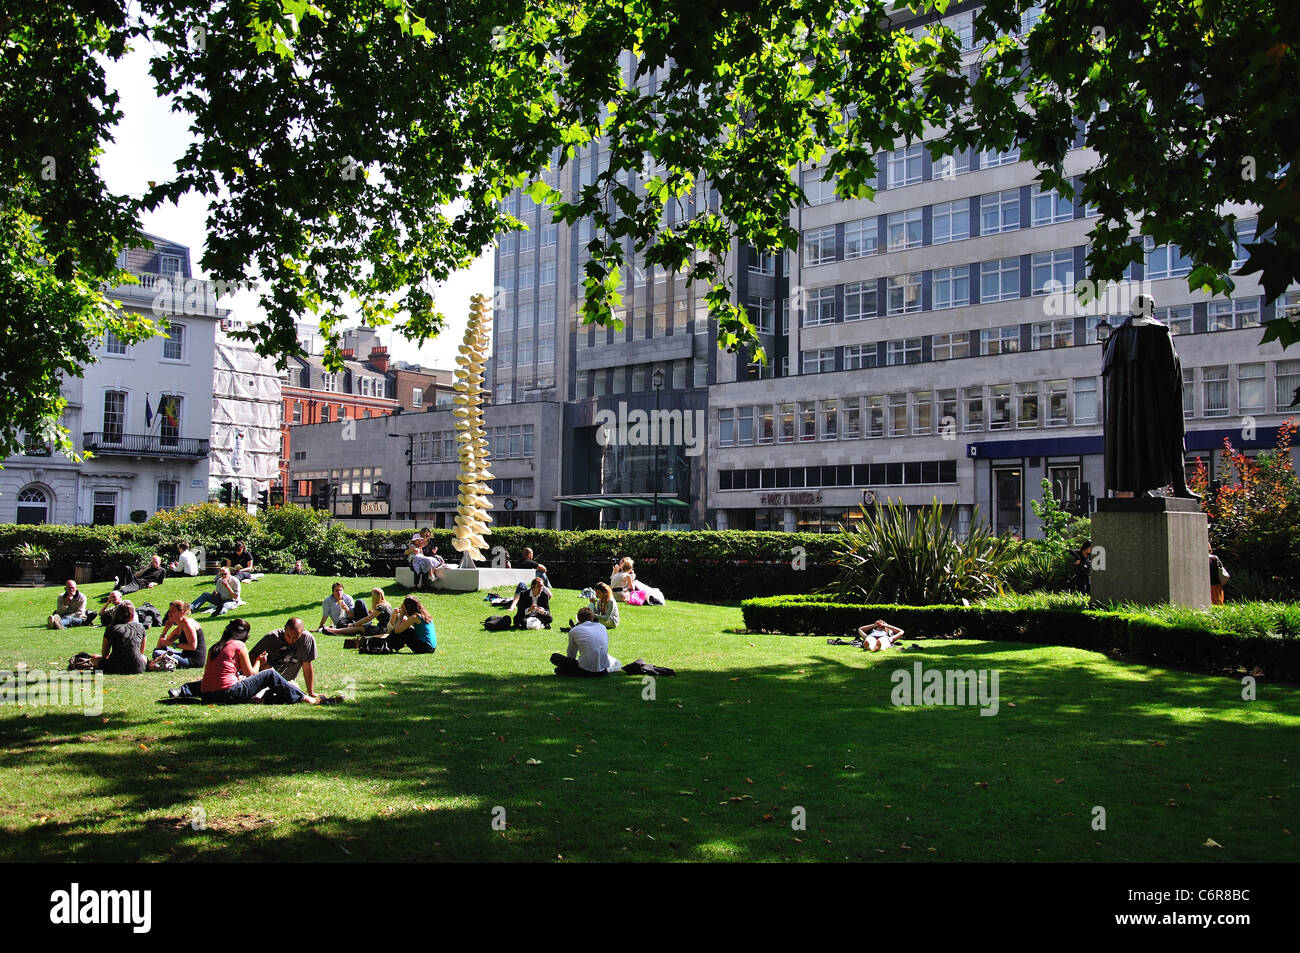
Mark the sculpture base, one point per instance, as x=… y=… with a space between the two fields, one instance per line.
x=455 y=579
x=1149 y=551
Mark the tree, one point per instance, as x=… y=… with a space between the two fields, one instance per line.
x=358 y=150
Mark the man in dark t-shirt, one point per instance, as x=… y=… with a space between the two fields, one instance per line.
x=289 y=651
x=152 y=575
x=528 y=562
x=241 y=563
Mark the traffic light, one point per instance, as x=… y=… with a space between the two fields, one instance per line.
x=317 y=500
x=227 y=494
x=263 y=500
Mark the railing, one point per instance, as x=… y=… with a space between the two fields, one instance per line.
x=144 y=445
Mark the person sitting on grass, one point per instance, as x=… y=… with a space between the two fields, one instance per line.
x=230 y=677
x=105 y=615
x=588 y=655
x=122 y=651
x=181 y=639
x=528 y=562
x=340 y=609
x=375 y=623
x=187 y=564
x=224 y=598
x=623 y=579
x=127 y=582
x=289 y=651
x=241 y=564
x=879 y=635
x=412 y=627
x=70 y=609
x=535 y=603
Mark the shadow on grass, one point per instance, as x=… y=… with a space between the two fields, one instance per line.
x=717 y=765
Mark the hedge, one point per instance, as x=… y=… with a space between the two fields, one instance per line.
x=723 y=566
x=1129 y=633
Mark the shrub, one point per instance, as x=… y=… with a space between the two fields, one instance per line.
x=896 y=556
x=1040 y=564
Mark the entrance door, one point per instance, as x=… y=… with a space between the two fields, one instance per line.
x=105 y=512
x=1065 y=484
x=1008 y=507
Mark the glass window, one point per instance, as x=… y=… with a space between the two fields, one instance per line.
x=1000 y=407
x=1050 y=208
x=1027 y=404
x=114 y=415
x=766 y=424
x=1005 y=340
x=168 y=491
x=972 y=399
x=1085 y=400
x=923 y=412
x=949 y=345
x=950 y=166
x=808 y=420
x=819 y=245
x=174 y=343
x=999 y=212
x=852 y=418
x=875 y=423
x=820 y=361
x=1237 y=313
x=950 y=222
x=859 y=356
x=546 y=272
x=1178 y=319
x=860 y=238
x=950 y=287
x=1250 y=388
x=859 y=300
x=1052 y=271
x=903 y=167
x=745 y=426
x=1058 y=403
x=1049 y=334
x=903 y=294
x=990 y=158
x=1287 y=376
x=1189 y=392
x=906 y=351
x=818 y=190
x=1214 y=388
x=113 y=344
x=761 y=263
x=821 y=308
x=1245 y=232
x=903 y=229
x=762 y=312
x=1165 y=261
x=785 y=429
x=897 y=416
x=1000 y=280
x=830 y=420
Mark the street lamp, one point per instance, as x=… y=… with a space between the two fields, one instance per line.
x=658 y=380
x=410 y=470
x=1103 y=332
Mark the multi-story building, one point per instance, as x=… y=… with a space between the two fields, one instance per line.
x=143 y=411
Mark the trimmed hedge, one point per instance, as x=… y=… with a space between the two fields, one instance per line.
x=1129 y=633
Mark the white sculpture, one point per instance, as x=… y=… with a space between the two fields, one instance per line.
x=472 y=517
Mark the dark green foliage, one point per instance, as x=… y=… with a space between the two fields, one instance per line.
x=1272 y=645
x=1040 y=564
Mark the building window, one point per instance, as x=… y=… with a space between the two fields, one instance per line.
x=1287 y=376
x=1238 y=313
x=1000 y=212
x=903 y=294
x=1052 y=271
x=946 y=346
x=550 y=235
x=1085 y=400
x=820 y=361
x=818 y=190
x=808 y=420
x=859 y=356
x=972 y=399
x=169 y=419
x=897 y=415
x=903 y=229
x=297 y=411
x=1005 y=340
x=952 y=165
x=950 y=287
x=1027 y=404
x=860 y=238
x=1050 y=208
x=785 y=424
x=852 y=428
x=903 y=167
x=991 y=158
x=1000 y=407
x=104 y=512
x=830 y=414
x=1189 y=392
x=546 y=272
x=821 y=308
x=1058 y=403
x=1000 y=280
x=762 y=263
x=766 y=424
x=1245 y=232
x=875 y=423
x=922 y=412
x=113 y=344
x=745 y=427
x=1250 y=388
x=33 y=506
x=168 y=493
x=1214 y=389
x=174 y=344
x=950 y=222
x=1050 y=334
x=819 y=245
x=417 y=397
x=726 y=428
x=114 y=415
x=762 y=311
x=859 y=300
x=1165 y=261
x=169 y=266
x=906 y=351
x=1178 y=319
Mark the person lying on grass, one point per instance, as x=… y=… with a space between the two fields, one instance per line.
x=879 y=635
x=231 y=677
x=375 y=623
x=181 y=639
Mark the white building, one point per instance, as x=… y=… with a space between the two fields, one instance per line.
x=143 y=411
x=246 y=418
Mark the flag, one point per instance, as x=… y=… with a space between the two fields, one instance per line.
x=148 y=413
x=168 y=410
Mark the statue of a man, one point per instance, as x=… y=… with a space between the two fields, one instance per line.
x=1144 y=432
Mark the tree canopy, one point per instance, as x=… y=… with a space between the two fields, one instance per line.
x=355 y=152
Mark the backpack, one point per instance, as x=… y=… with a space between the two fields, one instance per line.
x=147 y=614
x=497 y=623
x=373 y=646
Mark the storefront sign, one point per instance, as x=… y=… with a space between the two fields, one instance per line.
x=810 y=498
x=374 y=507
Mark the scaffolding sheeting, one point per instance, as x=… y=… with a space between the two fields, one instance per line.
x=246 y=409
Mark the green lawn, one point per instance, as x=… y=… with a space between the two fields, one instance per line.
x=753 y=727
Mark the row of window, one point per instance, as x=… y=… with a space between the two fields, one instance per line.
x=639 y=378
x=328 y=413
x=513 y=442
x=943 y=411
x=916 y=473
x=1252 y=388
x=448 y=489
x=173 y=346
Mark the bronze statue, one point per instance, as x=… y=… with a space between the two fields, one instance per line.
x=1144 y=431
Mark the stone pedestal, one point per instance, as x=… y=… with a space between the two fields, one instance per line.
x=455 y=579
x=1150 y=550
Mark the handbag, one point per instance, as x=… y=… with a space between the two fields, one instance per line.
x=374 y=646
x=496 y=623
x=636 y=598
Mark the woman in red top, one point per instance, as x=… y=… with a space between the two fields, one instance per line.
x=228 y=660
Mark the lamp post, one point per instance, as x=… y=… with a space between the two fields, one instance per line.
x=1103 y=332
x=410 y=470
x=658 y=380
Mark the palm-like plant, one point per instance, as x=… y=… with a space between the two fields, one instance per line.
x=893 y=556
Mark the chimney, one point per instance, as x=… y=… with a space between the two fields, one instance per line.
x=379 y=358
x=347 y=353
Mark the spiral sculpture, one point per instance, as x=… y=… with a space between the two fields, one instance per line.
x=472 y=517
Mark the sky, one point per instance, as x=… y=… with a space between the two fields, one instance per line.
x=148 y=141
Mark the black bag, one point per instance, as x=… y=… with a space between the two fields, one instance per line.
x=372 y=646
x=497 y=623
x=147 y=614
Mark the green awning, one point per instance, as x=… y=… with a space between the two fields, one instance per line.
x=605 y=502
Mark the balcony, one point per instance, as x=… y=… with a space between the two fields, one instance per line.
x=144 y=445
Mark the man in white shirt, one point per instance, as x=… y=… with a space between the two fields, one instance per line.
x=185 y=564
x=588 y=655
x=339 y=609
